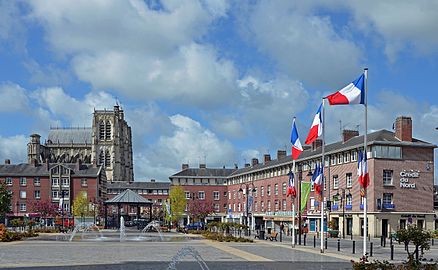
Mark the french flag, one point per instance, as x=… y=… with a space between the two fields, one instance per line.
x=362 y=170
x=317 y=178
x=295 y=140
x=291 y=188
x=316 y=128
x=353 y=93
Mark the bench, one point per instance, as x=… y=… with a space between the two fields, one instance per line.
x=272 y=236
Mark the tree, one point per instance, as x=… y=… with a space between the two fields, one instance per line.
x=45 y=209
x=5 y=200
x=417 y=236
x=80 y=205
x=178 y=203
x=201 y=209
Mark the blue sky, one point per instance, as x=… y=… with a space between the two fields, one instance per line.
x=212 y=81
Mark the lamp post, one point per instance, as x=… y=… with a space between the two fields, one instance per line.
x=62 y=208
x=93 y=204
x=343 y=199
x=309 y=174
x=247 y=186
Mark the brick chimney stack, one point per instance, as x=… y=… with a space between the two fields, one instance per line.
x=403 y=128
x=254 y=161
x=281 y=154
x=7 y=161
x=316 y=144
x=184 y=166
x=202 y=166
x=267 y=158
x=347 y=134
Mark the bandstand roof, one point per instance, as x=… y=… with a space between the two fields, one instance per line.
x=128 y=197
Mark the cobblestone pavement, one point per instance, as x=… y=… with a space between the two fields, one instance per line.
x=39 y=254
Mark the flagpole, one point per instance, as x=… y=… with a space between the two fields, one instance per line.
x=323 y=180
x=293 y=208
x=365 y=221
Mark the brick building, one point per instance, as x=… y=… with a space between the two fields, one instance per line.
x=204 y=184
x=30 y=183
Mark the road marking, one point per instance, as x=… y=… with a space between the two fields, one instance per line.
x=237 y=252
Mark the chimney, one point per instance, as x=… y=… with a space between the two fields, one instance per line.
x=267 y=158
x=254 y=161
x=78 y=164
x=247 y=165
x=153 y=180
x=403 y=128
x=7 y=161
x=185 y=166
x=347 y=134
x=281 y=154
x=202 y=166
x=47 y=164
x=34 y=162
x=235 y=166
x=316 y=144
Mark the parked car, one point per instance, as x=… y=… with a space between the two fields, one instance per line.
x=195 y=226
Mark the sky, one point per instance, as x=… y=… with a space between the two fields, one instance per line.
x=215 y=82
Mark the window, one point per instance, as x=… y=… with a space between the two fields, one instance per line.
x=225 y=194
x=55 y=182
x=284 y=205
x=387 y=177
x=216 y=195
x=269 y=206
x=229 y=195
x=234 y=207
x=234 y=194
x=37 y=181
x=107 y=159
x=349 y=178
x=108 y=130
x=55 y=194
x=276 y=205
x=333 y=159
x=238 y=207
x=101 y=158
x=37 y=194
x=255 y=192
x=312 y=186
x=102 y=130
x=55 y=170
x=346 y=157
x=255 y=207
x=349 y=200
x=354 y=155
x=312 y=203
x=8 y=181
x=340 y=158
x=284 y=188
x=65 y=182
x=262 y=206
x=335 y=182
x=268 y=191
x=387 y=198
x=383 y=151
x=22 y=194
x=201 y=195
x=216 y=207
x=84 y=182
x=262 y=191
x=276 y=189
x=23 y=181
x=22 y=207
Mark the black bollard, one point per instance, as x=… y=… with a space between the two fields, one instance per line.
x=351 y=236
x=339 y=244
x=305 y=237
x=354 y=247
x=432 y=241
x=381 y=241
x=371 y=249
x=392 y=252
x=390 y=241
x=326 y=243
x=314 y=241
x=416 y=254
x=281 y=234
x=384 y=241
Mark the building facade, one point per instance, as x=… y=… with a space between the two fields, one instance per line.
x=108 y=143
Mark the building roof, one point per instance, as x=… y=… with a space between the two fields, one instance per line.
x=138 y=185
x=70 y=135
x=25 y=169
x=204 y=172
x=381 y=137
x=128 y=196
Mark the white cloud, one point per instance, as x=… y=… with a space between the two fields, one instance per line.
x=14 y=148
x=13 y=98
x=229 y=127
x=306 y=46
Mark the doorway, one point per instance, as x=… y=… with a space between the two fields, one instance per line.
x=349 y=226
x=361 y=226
x=385 y=228
x=420 y=224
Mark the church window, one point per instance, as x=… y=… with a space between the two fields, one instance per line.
x=101 y=130
x=108 y=130
x=101 y=157
x=107 y=159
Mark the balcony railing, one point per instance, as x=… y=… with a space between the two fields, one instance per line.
x=388 y=206
x=348 y=207
x=335 y=207
x=361 y=206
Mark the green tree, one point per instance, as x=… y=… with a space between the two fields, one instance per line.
x=417 y=236
x=80 y=205
x=177 y=198
x=5 y=200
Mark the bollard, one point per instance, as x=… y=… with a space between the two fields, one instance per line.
x=314 y=241
x=351 y=236
x=325 y=243
x=392 y=252
x=369 y=237
x=339 y=244
x=432 y=241
x=381 y=241
x=390 y=241
x=384 y=241
x=371 y=249
x=354 y=247
x=305 y=237
x=281 y=234
x=416 y=255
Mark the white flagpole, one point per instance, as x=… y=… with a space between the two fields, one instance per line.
x=293 y=208
x=365 y=222
x=323 y=180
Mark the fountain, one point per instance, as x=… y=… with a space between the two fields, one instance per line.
x=84 y=229
x=122 y=230
x=153 y=224
x=185 y=251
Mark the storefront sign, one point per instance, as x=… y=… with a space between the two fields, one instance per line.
x=405 y=176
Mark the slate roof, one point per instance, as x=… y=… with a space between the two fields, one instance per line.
x=128 y=196
x=138 y=185
x=204 y=172
x=381 y=137
x=25 y=169
x=70 y=135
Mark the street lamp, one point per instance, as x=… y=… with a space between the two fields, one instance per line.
x=93 y=204
x=247 y=186
x=62 y=208
x=343 y=197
